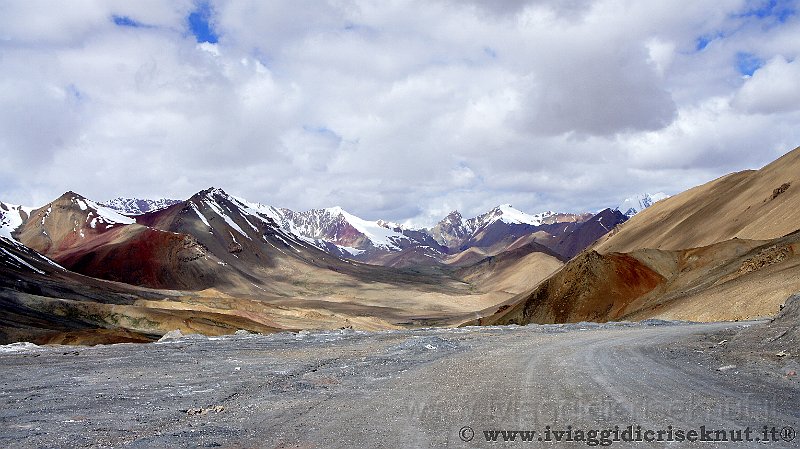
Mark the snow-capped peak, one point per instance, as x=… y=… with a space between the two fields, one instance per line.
x=211 y=191
x=508 y=214
x=637 y=203
x=136 y=206
x=453 y=230
x=377 y=234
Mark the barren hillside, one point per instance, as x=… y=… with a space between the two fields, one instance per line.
x=755 y=204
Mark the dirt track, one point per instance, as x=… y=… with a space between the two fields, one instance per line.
x=392 y=389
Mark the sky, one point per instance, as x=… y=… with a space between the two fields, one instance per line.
x=401 y=110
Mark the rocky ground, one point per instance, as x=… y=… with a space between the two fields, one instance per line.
x=393 y=389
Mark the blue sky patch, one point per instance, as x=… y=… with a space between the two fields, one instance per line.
x=702 y=42
x=200 y=23
x=125 y=21
x=780 y=10
x=747 y=63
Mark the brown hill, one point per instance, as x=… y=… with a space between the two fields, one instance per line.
x=755 y=204
x=732 y=280
x=735 y=279
x=513 y=271
x=591 y=287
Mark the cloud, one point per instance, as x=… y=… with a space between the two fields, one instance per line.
x=773 y=88
x=396 y=110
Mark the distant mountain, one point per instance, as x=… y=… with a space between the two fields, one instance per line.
x=332 y=230
x=588 y=231
x=135 y=206
x=452 y=230
x=637 y=203
x=353 y=236
x=455 y=232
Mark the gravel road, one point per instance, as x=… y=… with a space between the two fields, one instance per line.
x=420 y=388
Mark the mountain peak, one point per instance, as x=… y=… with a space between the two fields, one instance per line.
x=79 y=203
x=639 y=202
x=211 y=192
x=508 y=214
x=453 y=218
x=69 y=195
x=335 y=210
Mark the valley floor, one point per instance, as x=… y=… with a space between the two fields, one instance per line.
x=406 y=388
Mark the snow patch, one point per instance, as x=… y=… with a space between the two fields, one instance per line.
x=46 y=214
x=18 y=347
x=104 y=214
x=258 y=210
x=218 y=210
x=199 y=214
x=11 y=218
x=350 y=250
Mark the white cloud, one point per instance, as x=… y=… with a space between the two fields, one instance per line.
x=661 y=54
x=400 y=110
x=773 y=88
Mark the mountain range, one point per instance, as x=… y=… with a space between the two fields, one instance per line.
x=135 y=206
x=81 y=233
x=380 y=242
x=78 y=271
x=345 y=235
